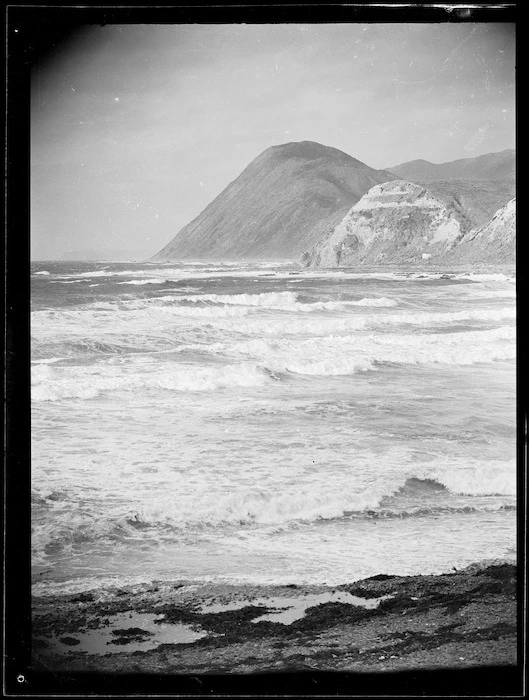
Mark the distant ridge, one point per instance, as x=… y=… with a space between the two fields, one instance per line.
x=491 y=166
x=280 y=205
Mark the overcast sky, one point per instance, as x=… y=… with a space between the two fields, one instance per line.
x=136 y=128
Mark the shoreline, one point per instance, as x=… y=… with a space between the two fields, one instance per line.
x=459 y=620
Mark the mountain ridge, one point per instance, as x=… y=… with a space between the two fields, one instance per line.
x=293 y=196
x=500 y=165
x=280 y=204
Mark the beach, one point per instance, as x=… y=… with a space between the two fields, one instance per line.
x=462 y=619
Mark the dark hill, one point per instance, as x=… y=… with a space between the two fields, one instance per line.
x=279 y=206
x=491 y=166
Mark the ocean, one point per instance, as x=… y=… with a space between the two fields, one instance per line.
x=259 y=423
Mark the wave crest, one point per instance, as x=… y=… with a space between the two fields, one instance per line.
x=57 y=383
x=426 y=492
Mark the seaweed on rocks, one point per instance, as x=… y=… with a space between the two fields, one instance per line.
x=434 y=619
x=500 y=571
x=361 y=592
x=82 y=598
x=333 y=613
x=132 y=634
x=69 y=641
x=380 y=577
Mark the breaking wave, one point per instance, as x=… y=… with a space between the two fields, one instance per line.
x=322 y=356
x=426 y=492
x=264 y=299
x=328 y=355
x=379 y=301
x=132 y=312
x=56 y=383
x=283 y=299
x=485 y=277
x=155 y=280
x=318 y=326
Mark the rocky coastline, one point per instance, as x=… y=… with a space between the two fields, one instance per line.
x=460 y=620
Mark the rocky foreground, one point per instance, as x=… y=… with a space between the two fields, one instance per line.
x=464 y=619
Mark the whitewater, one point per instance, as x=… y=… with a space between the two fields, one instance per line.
x=255 y=422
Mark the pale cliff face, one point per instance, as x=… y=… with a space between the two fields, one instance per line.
x=400 y=222
x=495 y=242
x=397 y=222
x=501 y=228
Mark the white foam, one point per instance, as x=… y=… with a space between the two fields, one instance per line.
x=471 y=477
x=55 y=384
x=343 y=355
x=155 y=280
x=485 y=277
x=490 y=293
x=329 y=494
x=478 y=480
x=326 y=501
x=47 y=361
x=329 y=368
x=431 y=318
x=381 y=302
x=171 y=304
x=287 y=301
x=323 y=356
x=163 y=326
x=269 y=299
x=333 y=325
x=106 y=585
x=260 y=505
x=207 y=312
x=93 y=273
x=190 y=269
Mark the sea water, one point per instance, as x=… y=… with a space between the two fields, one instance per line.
x=255 y=422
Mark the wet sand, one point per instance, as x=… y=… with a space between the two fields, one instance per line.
x=465 y=619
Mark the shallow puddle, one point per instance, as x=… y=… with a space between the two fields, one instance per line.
x=293 y=608
x=126 y=632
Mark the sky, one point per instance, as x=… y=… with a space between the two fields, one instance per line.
x=136 y=128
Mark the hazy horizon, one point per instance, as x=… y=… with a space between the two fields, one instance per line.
x=136 y=128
